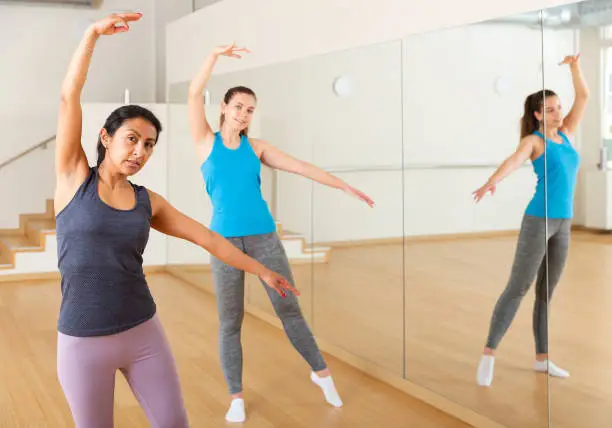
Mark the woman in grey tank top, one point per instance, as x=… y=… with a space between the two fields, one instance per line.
x=108 y=317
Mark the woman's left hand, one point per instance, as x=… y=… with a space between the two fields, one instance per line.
x=570 y=59
x=359 y=195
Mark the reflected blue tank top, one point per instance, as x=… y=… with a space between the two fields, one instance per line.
x=562 y=162
x=233 y=182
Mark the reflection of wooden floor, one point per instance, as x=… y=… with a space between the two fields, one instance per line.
x=451 y=288
x=276 y=379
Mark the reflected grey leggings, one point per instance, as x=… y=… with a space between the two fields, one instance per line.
x=530 y=264
x=229 y=288
x=86 y=368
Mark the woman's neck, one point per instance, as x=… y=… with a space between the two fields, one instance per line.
x=109 y=177
x=551 y=133
x=230 y=136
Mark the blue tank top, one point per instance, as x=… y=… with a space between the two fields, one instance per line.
x=562 y=162
x=100 y=250
x=233 y=182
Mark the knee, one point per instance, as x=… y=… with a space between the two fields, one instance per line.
x=231 y=324
x=288 y=309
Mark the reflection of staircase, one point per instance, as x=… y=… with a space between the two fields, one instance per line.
x=30 y=237
x=297 y=249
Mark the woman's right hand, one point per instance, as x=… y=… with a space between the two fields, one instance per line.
x=278 y=283
x=230 y=51
x=480 y=193
x=115 y=23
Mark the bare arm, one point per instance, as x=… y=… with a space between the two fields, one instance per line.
x=69 y=155
x=201 y=131
x=519 y=157
x=169 y=221
x=581 y=90
x=277 y=159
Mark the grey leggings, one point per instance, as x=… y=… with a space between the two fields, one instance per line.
x=229 y=288
x=529 y=264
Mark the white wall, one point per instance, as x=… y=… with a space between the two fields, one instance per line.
x=36 y=47
x=166 y=11
x=590 y=136
x=26 y=185
x=316 y=27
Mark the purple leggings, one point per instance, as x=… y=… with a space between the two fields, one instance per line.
x=86 y=367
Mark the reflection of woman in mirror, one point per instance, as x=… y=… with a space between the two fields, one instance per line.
x=108 y=318
x=542 y=117
x=231 y=164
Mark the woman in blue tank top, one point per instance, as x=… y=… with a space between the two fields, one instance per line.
x=544 y=237
x=108 y=317
x=230 y=165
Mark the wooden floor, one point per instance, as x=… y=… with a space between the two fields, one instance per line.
x=277 y=388
x=358 y=302
x=359 y=299
x=449 y=291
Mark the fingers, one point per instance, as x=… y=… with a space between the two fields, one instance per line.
x=290 y=287
x=130 y=16
x=281 y=284
x=123 y=27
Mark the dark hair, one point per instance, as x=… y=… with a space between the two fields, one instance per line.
x=228 y=97
x=118 y=118
x=533 y=103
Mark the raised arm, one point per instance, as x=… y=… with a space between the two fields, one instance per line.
x=168 y=220
x=201 y=131
x=69 y=155
x=519 y=157
x=277 y=159
x=581 y=90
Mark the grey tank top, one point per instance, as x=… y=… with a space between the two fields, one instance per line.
x=100 y=254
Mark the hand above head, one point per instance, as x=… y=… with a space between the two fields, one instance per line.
x=278 y=283
x=115 y=23
x=571 y=59
x=230 y=51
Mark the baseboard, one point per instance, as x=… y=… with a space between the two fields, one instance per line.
x=421 y=393
x=418 y=238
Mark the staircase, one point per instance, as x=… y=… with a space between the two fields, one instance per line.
x=31 y=237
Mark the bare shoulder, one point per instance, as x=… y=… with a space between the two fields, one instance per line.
x=258 y=145
x=157 y=201
x=531 y=141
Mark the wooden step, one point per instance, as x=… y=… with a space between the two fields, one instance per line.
x=36 y=229
x=18 y=243
x=6 y=259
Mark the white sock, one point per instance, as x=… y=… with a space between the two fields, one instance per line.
x=329 y=389
x=551 y=368
x=236 y=411
x=484 y=375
